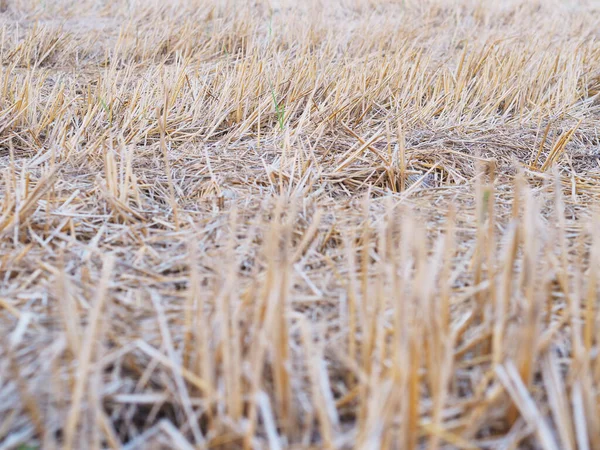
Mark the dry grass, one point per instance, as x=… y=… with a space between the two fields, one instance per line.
x=333 y=224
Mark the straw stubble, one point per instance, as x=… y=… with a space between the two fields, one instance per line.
x=347 y=224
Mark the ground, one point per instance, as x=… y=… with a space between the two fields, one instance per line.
x=280 y=224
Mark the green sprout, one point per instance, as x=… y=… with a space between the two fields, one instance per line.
x=279 y=110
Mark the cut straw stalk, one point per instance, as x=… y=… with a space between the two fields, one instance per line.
x=85 y=356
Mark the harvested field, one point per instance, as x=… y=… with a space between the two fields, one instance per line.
x=279 y=224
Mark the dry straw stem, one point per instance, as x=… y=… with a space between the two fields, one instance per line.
x=320 y=224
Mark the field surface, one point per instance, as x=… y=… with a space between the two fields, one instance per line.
x=319 y=224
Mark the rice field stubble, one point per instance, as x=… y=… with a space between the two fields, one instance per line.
x=346 y=224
